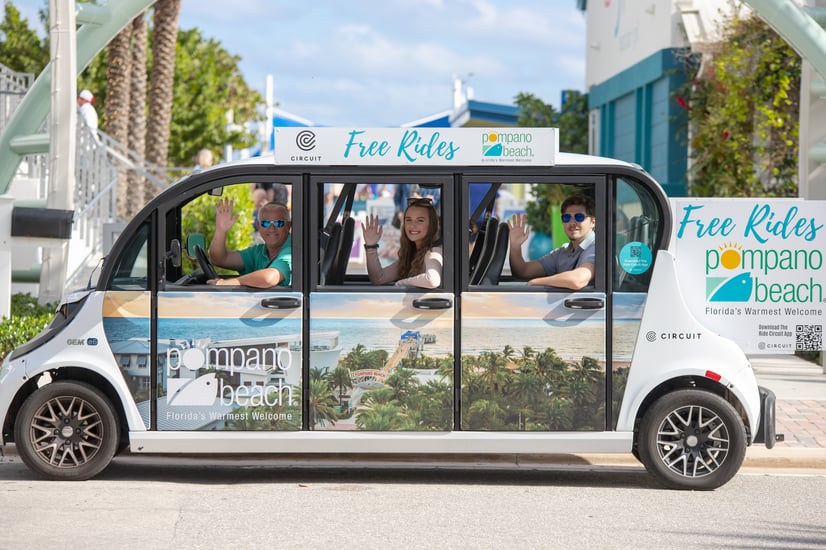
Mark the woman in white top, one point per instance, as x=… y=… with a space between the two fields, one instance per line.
x=420 y=262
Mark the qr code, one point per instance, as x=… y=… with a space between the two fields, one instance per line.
x=808 y=337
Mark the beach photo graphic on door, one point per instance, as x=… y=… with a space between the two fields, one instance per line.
x=533 y=361
x=381 y=361
x=128 y=334
x=229 y=361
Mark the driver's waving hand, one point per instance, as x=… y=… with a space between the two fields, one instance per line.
x=261 y=265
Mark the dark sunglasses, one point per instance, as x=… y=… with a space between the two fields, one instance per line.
x=276 y=223
x=579 y=217
x=419 y=202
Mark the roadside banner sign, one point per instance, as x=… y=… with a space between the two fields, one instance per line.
x=753 y=270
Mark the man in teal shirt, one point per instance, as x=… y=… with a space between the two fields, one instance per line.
x=261 y=265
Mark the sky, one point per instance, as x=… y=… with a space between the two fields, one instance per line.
x=384 y=63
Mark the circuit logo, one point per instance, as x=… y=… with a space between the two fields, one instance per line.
x=305 y=140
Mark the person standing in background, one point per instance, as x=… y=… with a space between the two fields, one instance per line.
x=85 y=99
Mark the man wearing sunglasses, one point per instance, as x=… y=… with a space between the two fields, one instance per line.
x=260 y=265
x=570 y=266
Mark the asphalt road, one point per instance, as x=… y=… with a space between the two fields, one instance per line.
x=180 y=503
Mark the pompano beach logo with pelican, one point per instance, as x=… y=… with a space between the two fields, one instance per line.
x=737 y=288
x=762 y=274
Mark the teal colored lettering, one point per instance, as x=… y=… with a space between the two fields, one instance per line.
x=412 y=147
x=372 y=149
x=762 y=223
x=712 y=228
x=805 y=292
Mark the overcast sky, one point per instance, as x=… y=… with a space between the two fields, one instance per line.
x=385 y=62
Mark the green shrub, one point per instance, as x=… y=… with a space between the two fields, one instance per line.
x=28 y=319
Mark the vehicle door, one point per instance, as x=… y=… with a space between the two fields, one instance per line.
x=228 y=357
x=381 y=356
x=533 y=358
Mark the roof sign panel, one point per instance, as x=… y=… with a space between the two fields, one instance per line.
x=417 y=146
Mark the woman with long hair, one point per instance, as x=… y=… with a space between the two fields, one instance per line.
x=420 y=260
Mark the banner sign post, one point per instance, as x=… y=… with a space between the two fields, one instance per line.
x=753 y=269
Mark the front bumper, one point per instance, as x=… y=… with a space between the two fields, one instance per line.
x=767 y=431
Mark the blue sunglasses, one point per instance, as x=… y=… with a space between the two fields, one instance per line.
x=579 y=217
x=276 y=223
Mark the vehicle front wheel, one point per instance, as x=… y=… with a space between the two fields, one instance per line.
x=66 y=431
x=692 y=439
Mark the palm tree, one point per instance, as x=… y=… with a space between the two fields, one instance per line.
x=558 y=414
x=380 y=417
x=137 y=108
x=485 y=414
x=355 y=359
x=118 y=75
x=321 y=403
x=161 y=80
x=437 y=405
x=381 y=395
x=444 y=367
x=341 y=379
x=528 y=388
x=403 y=381
x=494 y=374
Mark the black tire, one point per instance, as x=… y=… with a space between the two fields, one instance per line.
x=692 y=439
x=66 y=431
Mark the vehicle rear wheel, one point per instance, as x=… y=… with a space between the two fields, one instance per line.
x=692 y=439
x=66 y=431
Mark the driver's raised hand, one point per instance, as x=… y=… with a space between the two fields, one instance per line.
x=224 y=219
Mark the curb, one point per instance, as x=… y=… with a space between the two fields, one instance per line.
x=782 y=458
x=756 y=457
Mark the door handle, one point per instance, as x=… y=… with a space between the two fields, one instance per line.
x=432 y=303
x=585 y=303
x=281 y=302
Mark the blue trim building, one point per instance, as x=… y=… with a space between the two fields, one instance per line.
x=641 y=121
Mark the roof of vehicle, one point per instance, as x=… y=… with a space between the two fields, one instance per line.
x=563 y=159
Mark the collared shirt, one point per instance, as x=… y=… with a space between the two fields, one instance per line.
x=566 y=258
x=255 y=257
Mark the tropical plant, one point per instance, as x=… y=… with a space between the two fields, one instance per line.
x=199 y=217
x=743 y=114
x=380 y=416
x=161 y=80
x=21 y=49
x=321 y=403
x=27 y=319
x=342 y=380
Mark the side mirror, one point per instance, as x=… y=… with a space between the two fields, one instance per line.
x=174 y=253
x=193 y=240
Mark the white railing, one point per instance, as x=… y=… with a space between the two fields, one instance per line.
x=100 y=159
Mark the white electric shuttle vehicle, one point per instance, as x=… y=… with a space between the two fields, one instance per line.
x=152 y=359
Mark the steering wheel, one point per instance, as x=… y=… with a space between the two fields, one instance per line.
x=204 y=263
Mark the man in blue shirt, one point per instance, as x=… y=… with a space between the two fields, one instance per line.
x=570 y=266
x=261 y=265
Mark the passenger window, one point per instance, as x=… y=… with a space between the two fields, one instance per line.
x=362 y=237
x=501 y=214
x=638 y=226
